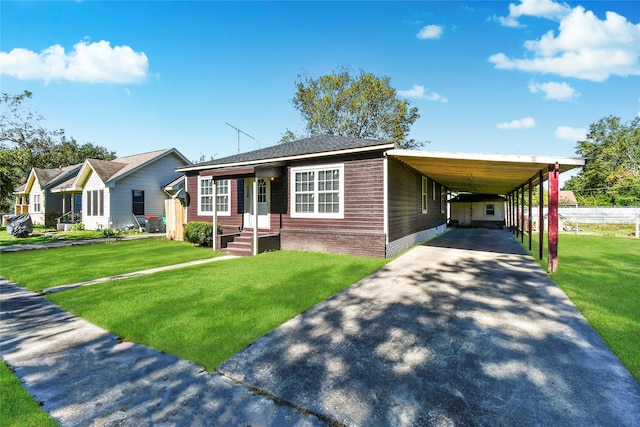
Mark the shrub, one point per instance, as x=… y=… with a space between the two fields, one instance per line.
x=199 y=233
x=77 y=227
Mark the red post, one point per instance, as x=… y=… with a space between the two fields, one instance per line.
x=553 y=218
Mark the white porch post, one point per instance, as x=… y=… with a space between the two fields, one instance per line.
x=214 y=217
x=255 y=216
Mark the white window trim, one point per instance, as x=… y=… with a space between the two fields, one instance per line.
x=226 y=212
x=315 y=213
x=486 y=207
x=37 y=203
x=424 y=200
x=214 y=202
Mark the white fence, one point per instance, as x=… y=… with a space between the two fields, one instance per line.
x=609 y=215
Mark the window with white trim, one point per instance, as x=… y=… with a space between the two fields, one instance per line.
x=223 y=195
x=425 y=195
x=317 y=192
x=433 y=190
x=36 y=203
x=443 y=199
x=205 y=196
x=489 y=209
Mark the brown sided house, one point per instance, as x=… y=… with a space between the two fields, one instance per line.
x=324 y=193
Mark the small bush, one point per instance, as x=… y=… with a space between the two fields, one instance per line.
x=77 y=227
x=199 y=233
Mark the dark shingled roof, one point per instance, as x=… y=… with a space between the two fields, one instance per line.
x=312 y=145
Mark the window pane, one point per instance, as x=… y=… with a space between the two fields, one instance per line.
x=304 y=203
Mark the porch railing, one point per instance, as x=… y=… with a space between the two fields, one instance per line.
x=70 y=217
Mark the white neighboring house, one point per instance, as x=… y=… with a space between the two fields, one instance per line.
x=126 y=191
x=478 y=210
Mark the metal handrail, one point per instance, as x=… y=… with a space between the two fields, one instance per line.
x=72 y=218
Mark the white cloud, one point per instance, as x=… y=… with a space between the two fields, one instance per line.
x=571 y=134
x=584 y=47
x=419 y=92
x=554 y=90
x=524 y=123
x=430 y=32
x=88 y=62
x=536 y=8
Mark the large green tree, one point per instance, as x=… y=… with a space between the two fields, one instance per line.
x=611 y=175
x=25 y=143
x=362 y=105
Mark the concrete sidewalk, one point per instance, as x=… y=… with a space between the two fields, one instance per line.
x=466 y=330
x=85 y=376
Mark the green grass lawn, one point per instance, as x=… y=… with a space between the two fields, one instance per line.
x=43 y=235
x=601 y=275
x=44 y=268
x=17 y=407
x=209 y=312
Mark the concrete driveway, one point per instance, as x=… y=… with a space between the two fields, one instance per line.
x=465 y=330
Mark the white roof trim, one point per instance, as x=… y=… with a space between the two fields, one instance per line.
x=515 y=158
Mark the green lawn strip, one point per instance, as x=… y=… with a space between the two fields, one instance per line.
x=47 y=235
x=45 y=268
x=17 y=406
x=209 y=312
x=601 y=275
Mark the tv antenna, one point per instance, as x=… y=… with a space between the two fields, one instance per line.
x=240 y=132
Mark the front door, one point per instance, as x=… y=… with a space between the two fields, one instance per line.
x=264 y=199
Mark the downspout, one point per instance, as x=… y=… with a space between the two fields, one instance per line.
x=385 y=198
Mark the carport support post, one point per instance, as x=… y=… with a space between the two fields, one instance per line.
x=529 y=213
x=552 y=263
x=522 y=215
x=516 y=211
x=541 y=215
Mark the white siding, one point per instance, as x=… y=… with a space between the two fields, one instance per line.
x=37 y=217
x=92 y=222
x=149 y=179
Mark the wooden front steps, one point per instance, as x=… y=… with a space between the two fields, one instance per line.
x=242 y=245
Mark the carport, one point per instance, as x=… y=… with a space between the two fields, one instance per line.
x=513 y=176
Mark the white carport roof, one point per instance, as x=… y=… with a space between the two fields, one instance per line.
x=482 y=173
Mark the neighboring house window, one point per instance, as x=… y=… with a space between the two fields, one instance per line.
x=433 y=191
x=425 y=197
x=95 y=203
x=36 y=203
x=205 y=196
x=318 y=192
x=490 y=209
x=443 y=199
x=138 y=202
x=89 y=203
x=223 y=194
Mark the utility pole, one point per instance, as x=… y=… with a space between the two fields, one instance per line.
x=239 y=132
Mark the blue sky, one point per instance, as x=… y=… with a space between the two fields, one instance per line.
x=521 y=77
